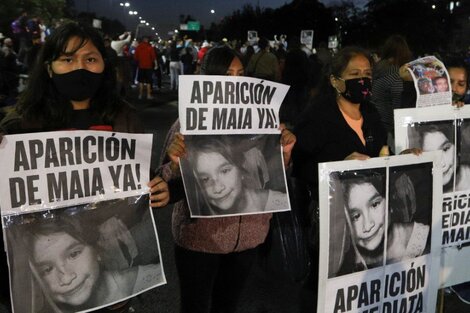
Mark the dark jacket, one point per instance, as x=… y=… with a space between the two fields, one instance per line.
x=324 y=135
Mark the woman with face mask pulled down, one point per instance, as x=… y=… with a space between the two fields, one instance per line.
x=340 y=124
x=73 y=87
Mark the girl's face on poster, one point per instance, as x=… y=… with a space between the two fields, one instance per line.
x=220 y=180
x=366 y=208
x=68 y=268
x=438 y=141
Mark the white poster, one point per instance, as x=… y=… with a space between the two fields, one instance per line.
x=432 y=82
x=78 y=229
x=448 y=129
x=252 y=37
x=233 y=163
x=379 y=244
x=306 y=38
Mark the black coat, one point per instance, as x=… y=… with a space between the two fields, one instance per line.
x=324 y=135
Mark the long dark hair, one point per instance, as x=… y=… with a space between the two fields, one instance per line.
x=217 y=60
x=41 y=104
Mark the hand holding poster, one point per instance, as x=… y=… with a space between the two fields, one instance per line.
x=432 y=82
x=379 y=249
x=76 y=220
x=448 y=129
x=234 y=161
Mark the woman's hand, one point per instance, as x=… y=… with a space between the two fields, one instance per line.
x=176 y=150
x=357 y=156
x=457 y=104
x=288 y=140
x=404 y=73
x=159 y=193
x=415 y=151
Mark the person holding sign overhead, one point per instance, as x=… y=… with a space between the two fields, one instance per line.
x=213 y=255
x=72 y=87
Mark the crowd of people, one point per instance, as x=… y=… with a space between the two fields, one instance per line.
x=339 y=107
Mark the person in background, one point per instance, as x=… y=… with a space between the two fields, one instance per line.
x=387 y=84
x=72 y=87
x=145 y=57
x=213 y=255
x=175 y=64
x=264 y=64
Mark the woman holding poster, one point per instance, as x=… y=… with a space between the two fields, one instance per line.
x=213 y=255
x=73 y=86
x=340 y=124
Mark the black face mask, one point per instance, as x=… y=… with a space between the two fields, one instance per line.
x=77 y=85
x=357 y=89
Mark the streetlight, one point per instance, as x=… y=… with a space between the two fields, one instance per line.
x=127 y=4
x=433 y=6
x=212 y=11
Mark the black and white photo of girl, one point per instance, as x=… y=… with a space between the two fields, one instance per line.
x=366 y=232
x=234 y=175
x=83 y=257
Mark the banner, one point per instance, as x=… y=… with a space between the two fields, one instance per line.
x=432 y=82
x=78 y=229
x=448 y=129
x=379 y=243
x=234 y=163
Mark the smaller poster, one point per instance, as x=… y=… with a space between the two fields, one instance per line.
x=431 y=81
x=306 y=38
x=333 y=42
x=379 y=245
x=234 y=163
x=252 y=37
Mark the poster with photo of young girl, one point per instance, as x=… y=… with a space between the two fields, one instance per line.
x=77 y=225
x=380 y=234
x=233 y=163
x=447 y=129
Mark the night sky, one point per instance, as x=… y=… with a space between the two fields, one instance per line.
x=164 y=14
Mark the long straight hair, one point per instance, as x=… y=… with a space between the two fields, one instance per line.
x=42 y=106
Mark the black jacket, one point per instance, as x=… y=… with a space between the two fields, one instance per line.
x=324 y=135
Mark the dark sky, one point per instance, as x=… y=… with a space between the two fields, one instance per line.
x=164 y=14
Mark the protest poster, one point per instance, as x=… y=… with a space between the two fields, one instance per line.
x=234 y=163
x=252 y=37
x=432 y=82
x=448 y=129
x=78 y=230
x=379 y=244
x=306 y=38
